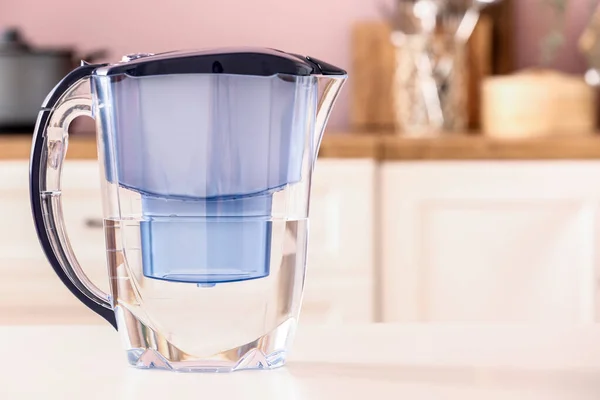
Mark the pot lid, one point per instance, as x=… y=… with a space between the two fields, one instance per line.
x=12 y=42
x=238 y=61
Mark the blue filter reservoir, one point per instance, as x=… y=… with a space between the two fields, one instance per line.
x=208 y=241
x=206 y=153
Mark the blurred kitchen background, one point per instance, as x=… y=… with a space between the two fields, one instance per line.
x=457 y=181
x=513 y=34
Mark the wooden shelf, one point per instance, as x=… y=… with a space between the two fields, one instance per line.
x=388 y=147
x=477 y=147
x=460 y=147
x=17 y=147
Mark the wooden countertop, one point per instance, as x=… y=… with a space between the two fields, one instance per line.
x=460 y=147
x=16 y=147
x=477 y=147
x=387 y=147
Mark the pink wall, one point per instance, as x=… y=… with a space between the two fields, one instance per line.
x=315 y=27
x=531 y=27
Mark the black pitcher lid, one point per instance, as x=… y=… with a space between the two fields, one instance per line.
x=236 y=61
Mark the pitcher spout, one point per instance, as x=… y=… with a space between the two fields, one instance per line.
x=329 y=89
x=330 y=80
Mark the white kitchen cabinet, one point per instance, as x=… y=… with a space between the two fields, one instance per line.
x=30 y=291
x=341 y=257
x=490 y=241
x=340 y=260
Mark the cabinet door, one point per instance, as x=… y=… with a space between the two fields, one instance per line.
x=339 y=286
x=17 y=232
x=490 y=241
x=340 y=259
x=82 y=210
x=30 y=291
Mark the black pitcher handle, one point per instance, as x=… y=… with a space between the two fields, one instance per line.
x=68 y=100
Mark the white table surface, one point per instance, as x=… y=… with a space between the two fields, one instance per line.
x=361 y=362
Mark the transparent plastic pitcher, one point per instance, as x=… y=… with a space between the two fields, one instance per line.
x=206 y=161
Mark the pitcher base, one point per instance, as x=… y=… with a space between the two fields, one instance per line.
x=148 y=349
x=252 y=359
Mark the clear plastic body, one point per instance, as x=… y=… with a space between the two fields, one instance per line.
x=206 y=184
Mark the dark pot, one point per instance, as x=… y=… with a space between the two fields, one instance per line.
x=27 y=75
